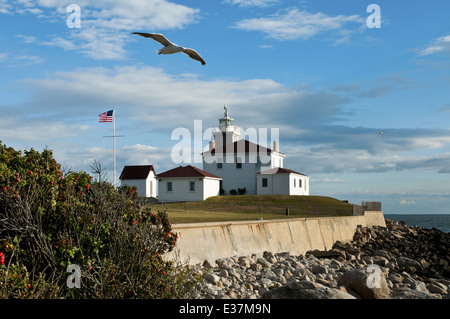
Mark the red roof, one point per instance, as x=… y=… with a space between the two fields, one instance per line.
x=186 y=171
x=239 y=147
x=137 y=172
x=279 y=170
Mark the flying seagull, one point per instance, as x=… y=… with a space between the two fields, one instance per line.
x=170 y=48
x=381 y=133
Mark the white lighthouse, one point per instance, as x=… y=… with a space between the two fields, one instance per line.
x=239 y=162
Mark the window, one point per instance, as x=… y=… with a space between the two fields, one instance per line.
x=239 y=161
x=192 y=186
x=264 y=182
x=219 y=165
x=294 y=182
x=299 y=183
x=169 y=186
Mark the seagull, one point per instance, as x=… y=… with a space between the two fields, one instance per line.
x=381 y=133
x=170 y=48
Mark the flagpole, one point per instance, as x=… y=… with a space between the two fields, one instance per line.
x=114 y=145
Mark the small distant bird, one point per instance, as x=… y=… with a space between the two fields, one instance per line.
x=381 y=133
x=170 y=48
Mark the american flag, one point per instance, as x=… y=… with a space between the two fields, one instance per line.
x=106 y=117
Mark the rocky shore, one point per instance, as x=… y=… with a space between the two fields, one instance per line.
x=393 y=262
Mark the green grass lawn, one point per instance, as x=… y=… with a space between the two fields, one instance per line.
x=252 y=207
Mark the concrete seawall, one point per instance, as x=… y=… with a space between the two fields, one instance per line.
x=210 y=241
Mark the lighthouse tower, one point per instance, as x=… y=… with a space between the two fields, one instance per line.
x=228 y=132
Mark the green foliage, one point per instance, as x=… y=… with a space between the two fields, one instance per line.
x=49 y=220
x=233 y=191
x=241 y=191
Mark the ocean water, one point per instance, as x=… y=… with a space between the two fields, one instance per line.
x=438 y=221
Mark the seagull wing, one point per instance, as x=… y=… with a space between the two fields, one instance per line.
x=194 y=55
x=155 y=36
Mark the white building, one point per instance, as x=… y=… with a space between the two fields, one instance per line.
x=141 y=176
x=281 y=181
x=238 y=161
x=187 y=183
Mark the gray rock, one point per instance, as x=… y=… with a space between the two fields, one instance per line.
x=263 y=262
x=278 y=272
x=404 y=262
x=382 y=253
x=395 y=278
x=212 y=278
x=223 y=272
x=419 y=286
x=336 y=264
x=357 y=281
x=207 y=264
x=380 y=261
x=414 y=294
x=436 y=288
x=256 y=267
x=319 y=269
x=306 y=290
x=265 y=282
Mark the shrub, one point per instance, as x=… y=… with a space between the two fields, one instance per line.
x=49 y=220
x=241 y=191
x=221 y=191
x=233 y=192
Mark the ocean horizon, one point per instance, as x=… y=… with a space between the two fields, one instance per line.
x=438 y=221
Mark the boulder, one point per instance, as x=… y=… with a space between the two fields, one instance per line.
x=304 y=289
x=319 y=269
x=357 y=280
x=414 y=294
x=382 y=253
x=437 y=288
x=212 y=278
x=256 y=267
x=410 y=265
x=420 y=286
x=334 y=253
x=263 y=262
x=380 y=260
x=207 y=264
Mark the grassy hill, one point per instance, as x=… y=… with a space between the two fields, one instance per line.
x=251 y=207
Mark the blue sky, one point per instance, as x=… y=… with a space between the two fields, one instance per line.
x=312 y=69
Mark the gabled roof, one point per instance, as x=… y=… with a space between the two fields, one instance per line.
x=137 y=172
x=279 y=170
x=241 y=146
x=186 y=171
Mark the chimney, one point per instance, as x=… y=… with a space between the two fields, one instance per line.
x=212 y=145
x=275 y=146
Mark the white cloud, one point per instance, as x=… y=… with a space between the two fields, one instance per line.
x=407 y=202
x=252 y=3
x=20 y=60
x=35 y=130
x=151 y=101
x=5 y=7
x=104 y=22
x=293 y=24
x=440 y=45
